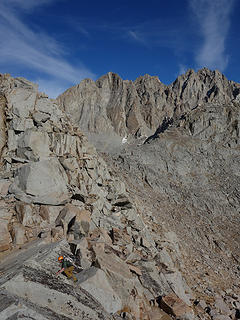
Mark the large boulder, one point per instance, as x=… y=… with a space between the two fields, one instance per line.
x=27 y=215
x=43 y=182
x=111 y=263
x=22 y=97
x=21 y=124
x=19 y=234
x=33 y=145
x=173 y=305
x=5 y=238
x=50 y=213
x=74 y=220
x=4 y=185
x=95 y=282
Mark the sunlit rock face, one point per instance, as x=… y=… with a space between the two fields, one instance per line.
x=158 y=217
x=138 y=108
x=178 y=150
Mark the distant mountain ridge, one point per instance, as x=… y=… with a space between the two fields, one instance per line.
x=139 y=107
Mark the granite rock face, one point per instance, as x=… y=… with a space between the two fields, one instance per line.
x=151 y=220
x=34 y=291
x=138 y=108
x=187 y=173
x=182 y=153
x=55 y=186
x=42 y=182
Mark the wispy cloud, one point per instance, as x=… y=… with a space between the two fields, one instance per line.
x=137 y=37
x=213 y=18
x=78 y=25
x=83 y=31
x=37 y=51
x=158 y=33
x=28 y=4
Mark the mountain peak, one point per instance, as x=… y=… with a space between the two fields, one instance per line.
x=111 y=78
x=140 y=106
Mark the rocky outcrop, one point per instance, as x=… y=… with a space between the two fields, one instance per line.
x=138 y=108
x=34 y=291
x=42 y=182
x=55 y=186
x=176 y=307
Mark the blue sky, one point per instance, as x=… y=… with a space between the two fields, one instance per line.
x=57 y=43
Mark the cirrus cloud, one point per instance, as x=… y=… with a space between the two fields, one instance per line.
x=42 y=55
x=213 y=18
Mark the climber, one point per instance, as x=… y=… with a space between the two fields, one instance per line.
x=67 y=268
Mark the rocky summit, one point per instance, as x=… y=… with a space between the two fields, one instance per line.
x=136 y=184
x=138 y=108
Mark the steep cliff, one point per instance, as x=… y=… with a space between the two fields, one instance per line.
x=137 y=108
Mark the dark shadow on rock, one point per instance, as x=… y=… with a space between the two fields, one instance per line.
x=167 y=122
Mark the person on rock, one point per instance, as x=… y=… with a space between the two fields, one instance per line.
x=67 y=268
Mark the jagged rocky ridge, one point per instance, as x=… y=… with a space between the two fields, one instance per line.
x=138 y=108
x=58 y=196
x=185 y=175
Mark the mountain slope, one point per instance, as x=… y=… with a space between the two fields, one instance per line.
x=154 y=223
x=185 y=176
x=58 y=197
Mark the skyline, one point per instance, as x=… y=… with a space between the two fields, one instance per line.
x=57 y=45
